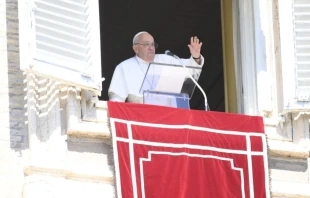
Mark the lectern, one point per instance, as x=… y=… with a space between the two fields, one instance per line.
x=169 y=84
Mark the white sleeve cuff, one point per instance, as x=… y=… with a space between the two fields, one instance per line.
x=202 y=61
x=115 y=98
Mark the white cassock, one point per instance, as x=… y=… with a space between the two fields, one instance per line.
x=129 y=74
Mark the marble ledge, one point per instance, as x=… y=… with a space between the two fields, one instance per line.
x=89 y=130
x=290 y=189
x=73 y=172
x=287 y=149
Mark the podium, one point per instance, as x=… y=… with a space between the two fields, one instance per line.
x=169 y=84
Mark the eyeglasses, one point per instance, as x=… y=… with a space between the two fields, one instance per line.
x=148 y=45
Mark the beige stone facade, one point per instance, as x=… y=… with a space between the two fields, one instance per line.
x=55 y=140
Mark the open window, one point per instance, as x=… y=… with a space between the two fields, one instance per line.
x=61 y=40
x=171 y=29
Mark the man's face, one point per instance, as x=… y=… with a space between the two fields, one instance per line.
x=145 y=47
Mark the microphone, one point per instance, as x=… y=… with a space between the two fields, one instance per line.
x=167 y=52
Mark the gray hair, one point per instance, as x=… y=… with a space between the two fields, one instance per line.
x=135 y=39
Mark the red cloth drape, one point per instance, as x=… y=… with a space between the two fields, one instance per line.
x=168 y=152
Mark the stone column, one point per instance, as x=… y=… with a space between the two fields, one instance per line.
x=4 y=100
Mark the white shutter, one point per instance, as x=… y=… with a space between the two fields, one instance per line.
x=60 y=39
x=301 y=17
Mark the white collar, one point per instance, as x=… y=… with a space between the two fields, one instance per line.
x=140 y=61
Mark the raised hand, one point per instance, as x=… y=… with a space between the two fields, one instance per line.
x=194 y=47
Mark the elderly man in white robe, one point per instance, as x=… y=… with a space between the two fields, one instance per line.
x=129 y=74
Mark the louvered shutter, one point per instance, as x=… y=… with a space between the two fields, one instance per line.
x=301 y=17
x=61 y=39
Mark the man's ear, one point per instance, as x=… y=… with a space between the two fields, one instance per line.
x=135 y=48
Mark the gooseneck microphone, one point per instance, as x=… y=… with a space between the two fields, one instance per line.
x=167 y=52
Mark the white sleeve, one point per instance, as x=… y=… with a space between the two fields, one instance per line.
x=191 y=62
x=118 y=87
x=116 y=98
x=163 y=58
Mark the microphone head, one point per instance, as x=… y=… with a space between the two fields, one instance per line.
x=167 y=52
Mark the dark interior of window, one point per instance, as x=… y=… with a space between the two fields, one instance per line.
x=171 y=23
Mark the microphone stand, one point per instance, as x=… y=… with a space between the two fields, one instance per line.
x=189 y=74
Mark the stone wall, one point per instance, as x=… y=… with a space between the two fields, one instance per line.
x=13 y=127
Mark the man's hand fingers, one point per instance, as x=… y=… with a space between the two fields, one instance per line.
x=195 y=39
x=195 y=44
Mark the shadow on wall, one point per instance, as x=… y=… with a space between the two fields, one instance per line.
x=36 y=108
x=16 y=83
